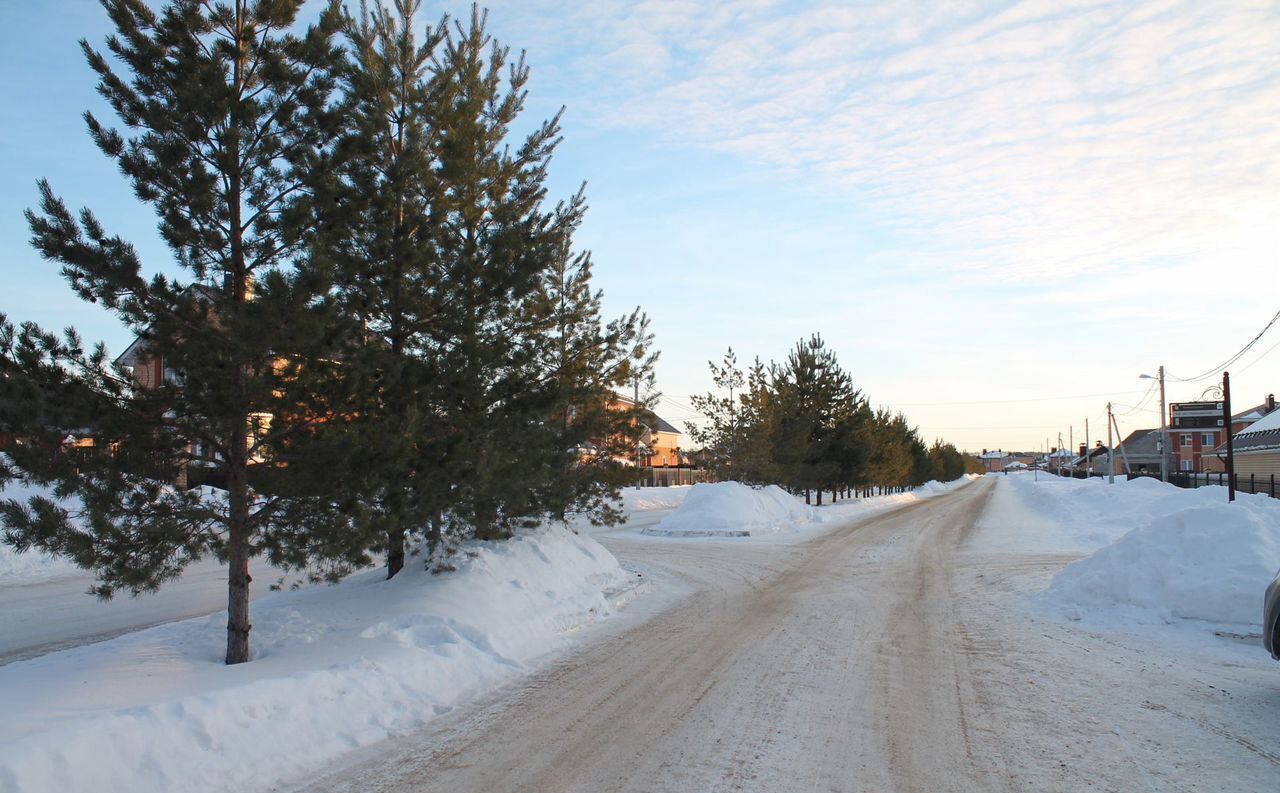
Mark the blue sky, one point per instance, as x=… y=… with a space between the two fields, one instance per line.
x=990 y=210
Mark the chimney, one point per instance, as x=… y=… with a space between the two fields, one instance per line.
x=1271 y=402
x=1083 y=449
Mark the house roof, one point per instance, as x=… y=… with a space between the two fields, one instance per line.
x=993 y=455
x=1252 y=414
x=1092 y=454
x=1141 y=444
x=661 y=425
x=1261 y=436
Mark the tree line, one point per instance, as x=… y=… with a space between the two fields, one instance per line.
x=802 y=424
x=380 y=329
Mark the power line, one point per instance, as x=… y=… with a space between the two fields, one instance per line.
x=1259 y=358
x=1011 y=401
x=1213 y=371
x=1151 y=390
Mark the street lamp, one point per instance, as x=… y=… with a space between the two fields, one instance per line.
x=1164 y=432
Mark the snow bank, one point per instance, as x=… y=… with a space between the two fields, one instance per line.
x=1152 y=551
x=22 y=568
x=1210 y=562
x=731 y=509
x=645 y=499
x=335 y=668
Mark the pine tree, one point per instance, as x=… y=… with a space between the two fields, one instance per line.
x=495 y=241
x=722 y=434
x=377 y=238
x=226 y=115
x=813 y=393
x=590 y=432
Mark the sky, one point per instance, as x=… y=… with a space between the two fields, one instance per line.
x=998 y=214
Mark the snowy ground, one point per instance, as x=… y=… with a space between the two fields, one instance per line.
x=856 y=648
x=910 y=651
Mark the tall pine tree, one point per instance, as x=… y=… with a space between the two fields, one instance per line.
x=225 y=114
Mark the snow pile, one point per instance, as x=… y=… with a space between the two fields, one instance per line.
x=731 y=509
x=335 y=668
x=30 y=566
x=1044 y=513
x=844 y=511
x=645 y=499
x=1210 y=562
x=1152 y=551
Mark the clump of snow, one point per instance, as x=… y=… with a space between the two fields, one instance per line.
x=645 y=499
x=731 y=509
x=1209 y=562
x=334 y=668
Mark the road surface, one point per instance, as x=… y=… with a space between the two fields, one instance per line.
x=878 y=657
x=45 y=616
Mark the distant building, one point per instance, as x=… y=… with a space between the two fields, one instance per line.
x=1141 y=449
x=993 y=461
x=1196 y=432
x=657 y=441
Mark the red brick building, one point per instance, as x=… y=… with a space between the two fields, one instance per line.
x=1196 y=432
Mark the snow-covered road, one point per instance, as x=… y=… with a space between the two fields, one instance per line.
x=889 y=654
x=45 y=616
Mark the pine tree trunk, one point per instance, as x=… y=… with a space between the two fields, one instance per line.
x=238 y=456
x=434 y=533
x=238 y=552
x=806 y=496
x=819 y=496
x=395 y=551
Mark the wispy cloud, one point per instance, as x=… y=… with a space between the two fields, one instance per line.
x=1032 y=138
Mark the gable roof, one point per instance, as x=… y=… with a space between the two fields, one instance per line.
x=1261 y=436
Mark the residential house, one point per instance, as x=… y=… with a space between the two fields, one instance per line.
x=1057 y=460
x=657 y=441
x=993 y=461
x=1141 y=450
x=1094 y=459
x=1196 y=432
x=1256 y=449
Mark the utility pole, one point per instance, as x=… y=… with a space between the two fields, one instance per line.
x=1123 y=455
x=1071 y=441
x=1226 y=426
x=1111 y=460
x=1164 y=432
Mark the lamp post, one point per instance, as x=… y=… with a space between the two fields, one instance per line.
x=1164 y=431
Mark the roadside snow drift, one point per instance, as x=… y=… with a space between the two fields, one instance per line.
x=1154 y=551
x=730 y=509
x=1210 y=562
x=335 y=668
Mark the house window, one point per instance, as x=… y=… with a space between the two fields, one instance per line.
x=1208 y=439
x=1187 y=466
x=1186 y=440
